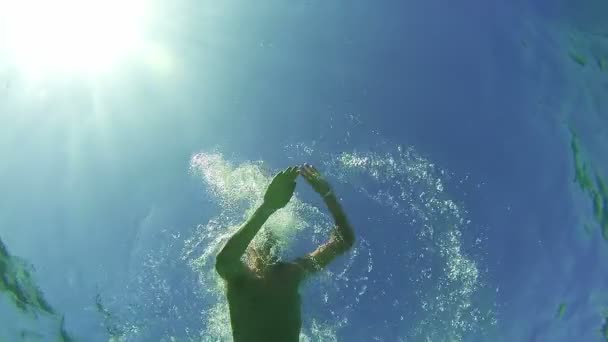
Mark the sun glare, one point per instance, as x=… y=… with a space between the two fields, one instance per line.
x=73 y=35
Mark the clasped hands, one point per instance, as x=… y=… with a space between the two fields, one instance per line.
x=282 y=186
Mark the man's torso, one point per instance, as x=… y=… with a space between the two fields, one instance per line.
x=265 y=309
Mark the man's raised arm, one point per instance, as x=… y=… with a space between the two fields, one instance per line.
x=229 y=258
x=342 y=237
x=343 y=230
x=278 y=194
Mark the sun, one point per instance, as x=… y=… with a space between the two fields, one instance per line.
x=70 y=35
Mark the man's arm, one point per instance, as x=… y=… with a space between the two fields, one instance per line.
x=342 y=237
x=228 y=261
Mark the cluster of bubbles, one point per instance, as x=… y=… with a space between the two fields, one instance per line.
x=441 y=296
x=35 y=315
x=436 y=300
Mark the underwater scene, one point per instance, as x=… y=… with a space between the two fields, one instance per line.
x=304 y=170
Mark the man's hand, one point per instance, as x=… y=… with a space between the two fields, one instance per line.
x=281 y=189
x=314 y=178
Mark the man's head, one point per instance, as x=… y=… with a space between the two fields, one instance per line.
x=265 y=253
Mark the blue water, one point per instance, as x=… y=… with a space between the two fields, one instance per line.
x=432 y=120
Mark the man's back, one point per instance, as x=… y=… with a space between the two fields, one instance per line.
x=265 y=308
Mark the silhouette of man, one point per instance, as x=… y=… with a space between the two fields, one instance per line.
x=263 y=293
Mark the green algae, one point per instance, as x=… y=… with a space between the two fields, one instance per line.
x=110 y=322
x=3 y=250
x=15 y=291
x=602 y=186
x=598 y=203
x=595 y=187
x=580 y=168
x=17 y=284
x=605 y=230
x=603 y=194
x=561 y=310
x=20 y=288
x=100 y=307
x=578 y=58
x=63 y=334
x=601 y=63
